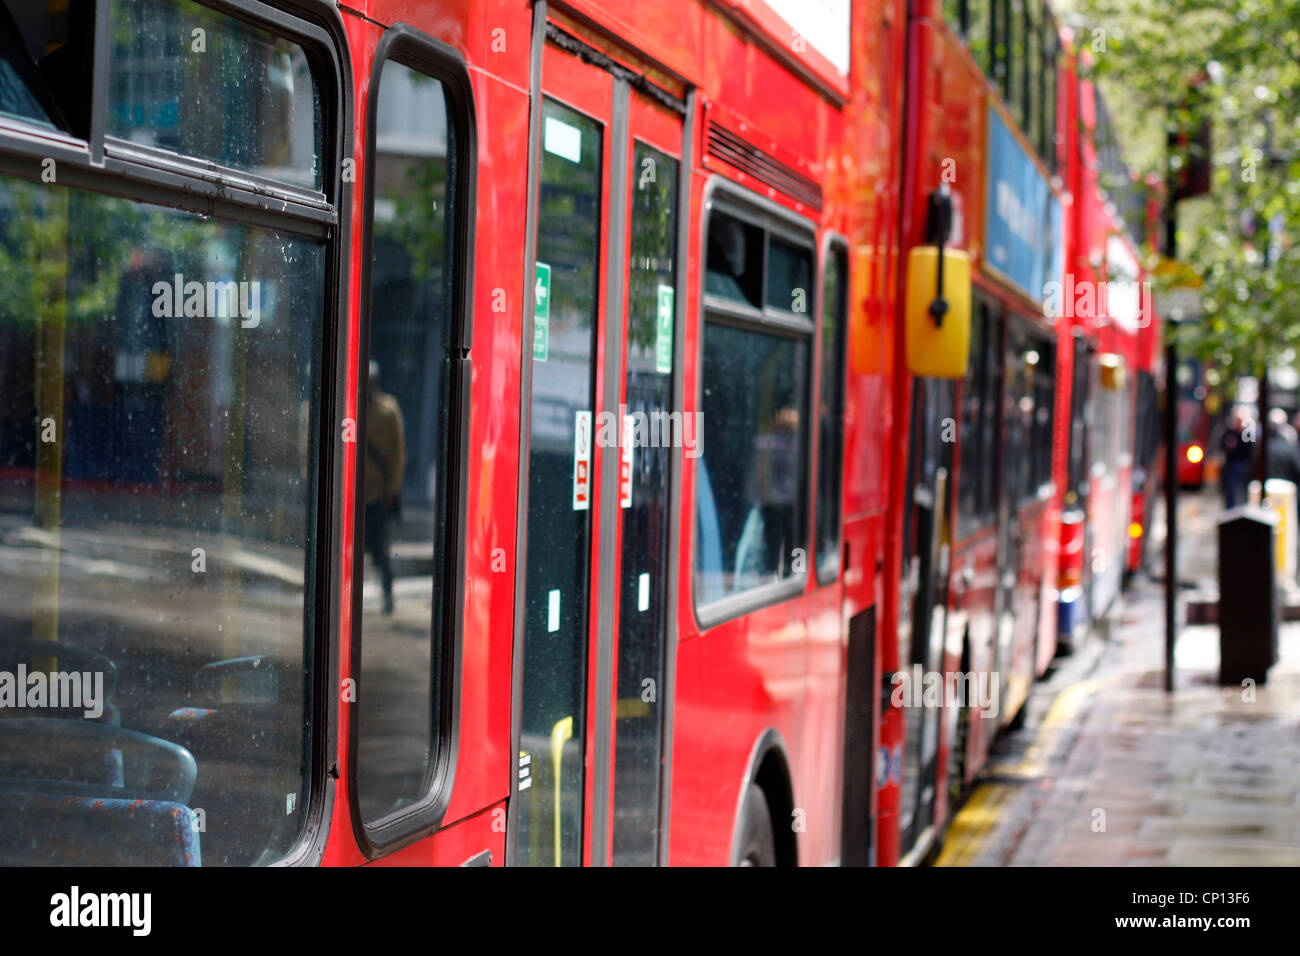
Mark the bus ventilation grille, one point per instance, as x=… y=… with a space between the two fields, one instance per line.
x=749 y=159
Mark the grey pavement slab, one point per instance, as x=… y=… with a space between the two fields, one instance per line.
x=1209 y=776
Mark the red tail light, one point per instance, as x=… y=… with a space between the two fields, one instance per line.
x=1071 y=566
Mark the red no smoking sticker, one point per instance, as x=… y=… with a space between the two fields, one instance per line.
x=582 y=461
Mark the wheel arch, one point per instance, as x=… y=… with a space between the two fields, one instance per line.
x=769 y=770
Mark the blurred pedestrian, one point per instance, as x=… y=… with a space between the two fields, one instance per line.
x=1283 y=456
x=385 y=462
x=1238 y=451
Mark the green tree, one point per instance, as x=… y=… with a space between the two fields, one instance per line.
x=1145 y=54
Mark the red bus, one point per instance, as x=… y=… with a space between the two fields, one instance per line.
x=486 y=433
x=1148 y=438
x=458 y=431
x=1113 y=396
x=1147 y=443
x=975 y=512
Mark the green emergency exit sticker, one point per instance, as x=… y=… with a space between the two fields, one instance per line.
x=541 y=312
x=664 y=331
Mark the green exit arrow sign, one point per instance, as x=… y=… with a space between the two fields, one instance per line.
x=541 y=312
x=664 y=331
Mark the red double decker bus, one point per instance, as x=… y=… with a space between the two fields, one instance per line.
x=463 y=435
x=977 y=505
x=1114 y=433
x=539 y=433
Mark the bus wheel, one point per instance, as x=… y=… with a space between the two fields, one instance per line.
x=757 y=845
x=957 y=773
x=961 y=741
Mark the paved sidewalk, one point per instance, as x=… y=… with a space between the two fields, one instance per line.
x=1111 y=771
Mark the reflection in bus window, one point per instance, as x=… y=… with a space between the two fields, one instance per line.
x=191 y=80
x=408 y=403
x=789 y=277
x=754 y=442
x=752 y=499
x=156 y=481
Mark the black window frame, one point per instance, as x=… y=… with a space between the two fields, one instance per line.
x=999 y=70
x=192 y=184
x=833 y=244
x=723 y=196
x=416 y=50
x=1017 y=61
x=1033 y=103
x=1051 y=92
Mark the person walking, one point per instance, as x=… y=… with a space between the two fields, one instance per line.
x=385 y=462
x=1283 y=456
x=1238 y=450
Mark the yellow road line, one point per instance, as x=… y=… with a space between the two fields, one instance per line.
x=970 y=828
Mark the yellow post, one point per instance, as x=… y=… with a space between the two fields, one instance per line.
x=560 y=734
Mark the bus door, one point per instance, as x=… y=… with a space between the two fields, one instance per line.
x=924 y=595
x=590 y=669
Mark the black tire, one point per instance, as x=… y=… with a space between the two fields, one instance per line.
x=757 y=843
x=957 y=762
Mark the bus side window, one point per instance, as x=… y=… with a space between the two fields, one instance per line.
x=406 y=525
x=755 y=374
x=165 y=401
x=830 y=438
x=1017 y=61
x=973 y=413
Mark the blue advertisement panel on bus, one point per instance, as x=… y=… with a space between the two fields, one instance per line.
x=1022 y=218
